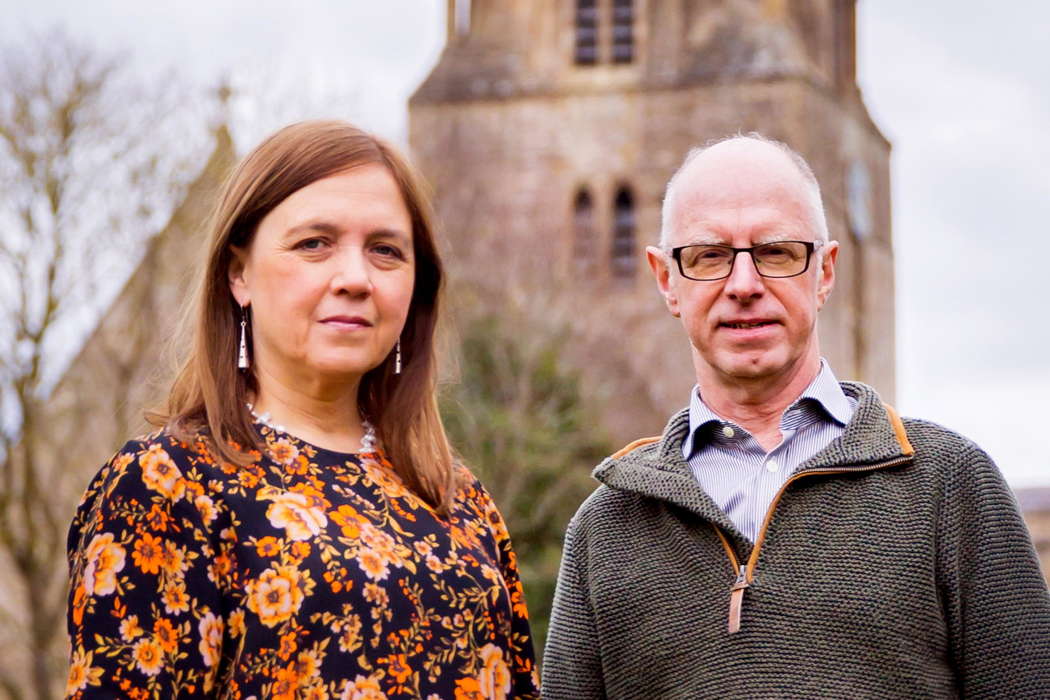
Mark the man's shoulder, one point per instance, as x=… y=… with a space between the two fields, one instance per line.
x=608 y=505
x=931 y=438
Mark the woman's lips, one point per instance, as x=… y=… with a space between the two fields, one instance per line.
x=346 y=322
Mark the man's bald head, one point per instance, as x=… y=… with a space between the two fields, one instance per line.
x=710 y=167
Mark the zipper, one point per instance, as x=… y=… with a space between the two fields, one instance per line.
x=745 y=574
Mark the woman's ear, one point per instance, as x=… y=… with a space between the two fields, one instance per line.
x=238 y=275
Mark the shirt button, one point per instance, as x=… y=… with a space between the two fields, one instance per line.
x=728 y=431
x=772 y=465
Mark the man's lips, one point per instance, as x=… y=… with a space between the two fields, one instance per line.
x=747 y=324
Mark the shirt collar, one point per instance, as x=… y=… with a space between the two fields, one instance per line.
x=824 y=390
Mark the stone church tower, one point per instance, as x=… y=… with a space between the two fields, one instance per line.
x=549 y=129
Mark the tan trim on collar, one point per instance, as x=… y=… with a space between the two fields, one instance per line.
x=634 y=445
x=898 y=428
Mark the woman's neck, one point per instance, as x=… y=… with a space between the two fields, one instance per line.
x=326 y=416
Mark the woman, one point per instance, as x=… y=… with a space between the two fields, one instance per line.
x=298 y=527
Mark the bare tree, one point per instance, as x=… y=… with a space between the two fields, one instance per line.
x=88 y=165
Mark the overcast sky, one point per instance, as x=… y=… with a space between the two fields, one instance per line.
x=960 y=87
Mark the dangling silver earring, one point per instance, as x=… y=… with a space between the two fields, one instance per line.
x=397 y=357
x=242 y=354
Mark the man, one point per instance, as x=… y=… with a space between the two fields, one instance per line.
x=787 y=536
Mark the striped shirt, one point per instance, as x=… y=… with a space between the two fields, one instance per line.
x=738 y=474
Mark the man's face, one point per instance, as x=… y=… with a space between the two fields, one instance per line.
x=746 y=328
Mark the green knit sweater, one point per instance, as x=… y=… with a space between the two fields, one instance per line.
x=894 y=564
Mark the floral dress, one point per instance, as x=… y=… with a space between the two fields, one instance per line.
x=305 y=574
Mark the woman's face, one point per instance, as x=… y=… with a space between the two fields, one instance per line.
x=329 y=277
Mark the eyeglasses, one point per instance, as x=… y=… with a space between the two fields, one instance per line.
x=705 y=263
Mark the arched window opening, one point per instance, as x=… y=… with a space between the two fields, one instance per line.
x=586 y=32
x=584 y=233
x=623 y=31
x=623 y=253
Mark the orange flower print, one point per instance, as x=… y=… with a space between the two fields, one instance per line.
x=494 y=679
x=268 y=547
x=81 y=672
x=362 y=688
x=206 y=507
x=347 y=518
x=300 y=550
x=105 y=559
x=468 y=689
x=295 y=513
x=277 y=594
x=349 y=631
x=236 y=623
x=283 y=451
x=129 y=628
x=210 y=630
x=159 y=472
x=174 y=561
x=220 y=568
x=79 y=604
x=157 y=518
x=288 y=645
x=165 y=635
x=315 y=692
x=398 y=668
x=307 y=665
x=378 y=540
x=248 y=477
x=175 y=599
x=285 y=684
x=148 y=656
x=376 y=594
x=192 y=490
x=271 y=591
x=374 y=566
x=148 y=554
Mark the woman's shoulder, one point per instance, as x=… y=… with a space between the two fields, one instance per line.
x=157 y=466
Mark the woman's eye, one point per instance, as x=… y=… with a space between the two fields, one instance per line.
x=387 y=251
x=311 y=244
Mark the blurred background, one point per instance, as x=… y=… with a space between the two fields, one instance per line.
x=547 y=129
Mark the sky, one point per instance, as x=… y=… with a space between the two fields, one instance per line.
x=960 y=87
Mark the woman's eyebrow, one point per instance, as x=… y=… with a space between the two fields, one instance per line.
x=399 y=236
x=318 y=226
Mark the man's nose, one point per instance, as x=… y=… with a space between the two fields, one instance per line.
x=744 y=283
x=351 y=273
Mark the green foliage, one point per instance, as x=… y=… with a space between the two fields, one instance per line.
x=518 y=418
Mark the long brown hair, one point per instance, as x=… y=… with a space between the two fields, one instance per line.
x=209 y=394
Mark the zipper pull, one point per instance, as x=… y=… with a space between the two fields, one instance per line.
x=736 y=600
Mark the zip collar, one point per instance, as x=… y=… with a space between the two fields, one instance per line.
x=654 y=467
x=874 y=439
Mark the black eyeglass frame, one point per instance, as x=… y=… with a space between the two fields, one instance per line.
x=810 y=246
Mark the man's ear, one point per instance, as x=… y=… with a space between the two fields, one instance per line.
x=659 y=263
x=826 y=274
x=238 y=276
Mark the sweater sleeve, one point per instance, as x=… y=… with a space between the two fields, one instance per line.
x=995 y=597
x=572 y=667
x=145 y=615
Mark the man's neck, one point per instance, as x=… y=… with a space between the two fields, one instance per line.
x=757 y=404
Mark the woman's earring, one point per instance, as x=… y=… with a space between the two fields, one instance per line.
x=397 y=357
x=242 y=355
